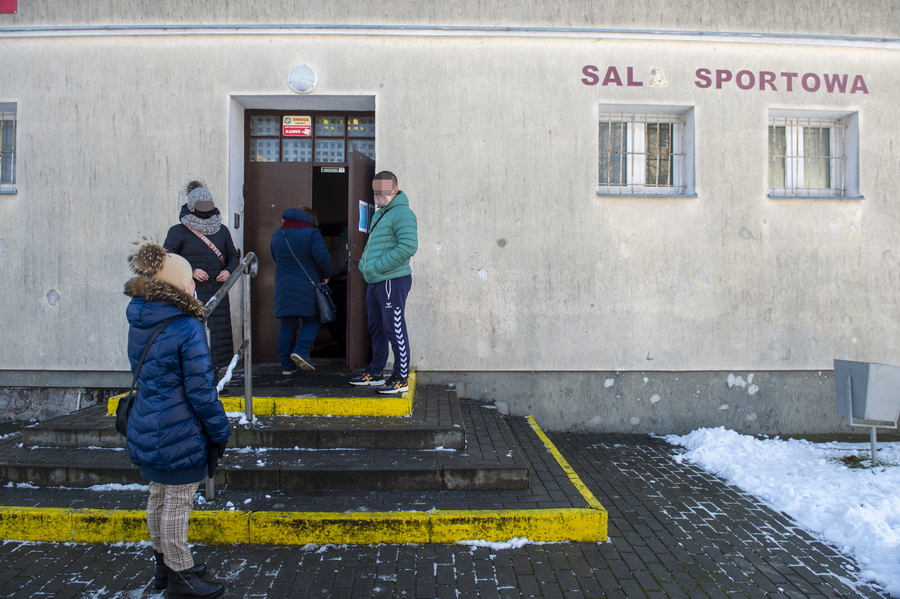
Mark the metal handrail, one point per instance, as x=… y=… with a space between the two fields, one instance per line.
x=249 y=266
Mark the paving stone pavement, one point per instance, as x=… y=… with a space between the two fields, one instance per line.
x=675 y=531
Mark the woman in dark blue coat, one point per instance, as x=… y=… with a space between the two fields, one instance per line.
x=177 y=429
x=297 y=242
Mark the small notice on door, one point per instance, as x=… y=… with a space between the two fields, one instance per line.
x=365 y=216
x=297 y=126
x=9 y=6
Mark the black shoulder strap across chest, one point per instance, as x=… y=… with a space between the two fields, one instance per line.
x=153 y=337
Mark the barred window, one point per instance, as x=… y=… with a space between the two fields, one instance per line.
x=806 y=156
x=644 y=153
x=7 y=147
x=813 y=154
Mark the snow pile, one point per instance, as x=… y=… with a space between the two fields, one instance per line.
x=241 y=417
x=228 y=372
x=118 y=487
x=855 y=509
x=515 y=543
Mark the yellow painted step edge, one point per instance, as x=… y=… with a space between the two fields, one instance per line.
x=300 y=528
x=378 y=407
x=295 y=528
x=564 y=464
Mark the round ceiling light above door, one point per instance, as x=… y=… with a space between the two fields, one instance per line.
x=302 y=79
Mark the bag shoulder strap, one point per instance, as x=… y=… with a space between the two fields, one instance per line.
x=153 y=337
x=376 y=223
x=297 y=259
x=210 y=244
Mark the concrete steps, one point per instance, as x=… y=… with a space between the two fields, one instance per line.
x=63 y=494
x=427 y=451
x=93 y=427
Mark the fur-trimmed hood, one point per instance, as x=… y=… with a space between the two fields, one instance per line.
x=155 y=290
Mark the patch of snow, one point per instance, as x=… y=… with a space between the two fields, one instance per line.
x=515 y=543
x=240 y=416
x=227 y=378
x=118 y=487
x=856 y=510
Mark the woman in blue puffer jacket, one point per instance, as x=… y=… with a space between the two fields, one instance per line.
x=177 y=425
x=298 y=242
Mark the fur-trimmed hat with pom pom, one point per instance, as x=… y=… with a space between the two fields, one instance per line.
x=153 y=261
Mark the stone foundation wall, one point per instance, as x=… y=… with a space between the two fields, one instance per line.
x=760 y=402
x=42 y=403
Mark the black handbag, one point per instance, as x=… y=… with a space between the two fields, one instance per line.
x=327 y=309
x=123 y=410
x=324 y=303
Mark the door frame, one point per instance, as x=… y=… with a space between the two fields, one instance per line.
x=238 y=142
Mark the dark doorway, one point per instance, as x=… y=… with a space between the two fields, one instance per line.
x=329 y=190
x=303 y=158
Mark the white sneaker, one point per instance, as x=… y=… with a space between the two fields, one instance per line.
x=302 y=362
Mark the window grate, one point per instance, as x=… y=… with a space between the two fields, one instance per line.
x=806 y=156
x=641 y=153
x=7 y=152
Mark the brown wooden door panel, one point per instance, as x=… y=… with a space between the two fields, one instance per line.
x=361 y=173
x=270 y=189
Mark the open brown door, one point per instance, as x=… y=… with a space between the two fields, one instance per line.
x=361 y=173
x=271 y=188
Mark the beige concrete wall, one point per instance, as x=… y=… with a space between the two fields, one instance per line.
x=876 y=18
x=537 y=273
x=521 y=265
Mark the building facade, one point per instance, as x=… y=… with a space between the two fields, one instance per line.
x=633 y=216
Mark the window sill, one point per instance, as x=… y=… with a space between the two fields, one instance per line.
x=7 y=192
x=856 y=198
x=648 y=195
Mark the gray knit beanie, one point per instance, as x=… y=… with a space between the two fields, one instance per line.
x=200 y=199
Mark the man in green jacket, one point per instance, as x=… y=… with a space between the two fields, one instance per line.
x=393 y=239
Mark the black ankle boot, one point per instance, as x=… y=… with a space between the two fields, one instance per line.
x=161 y=576
x=186 y=585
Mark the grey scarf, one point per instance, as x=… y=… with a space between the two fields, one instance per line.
x=204 y=226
